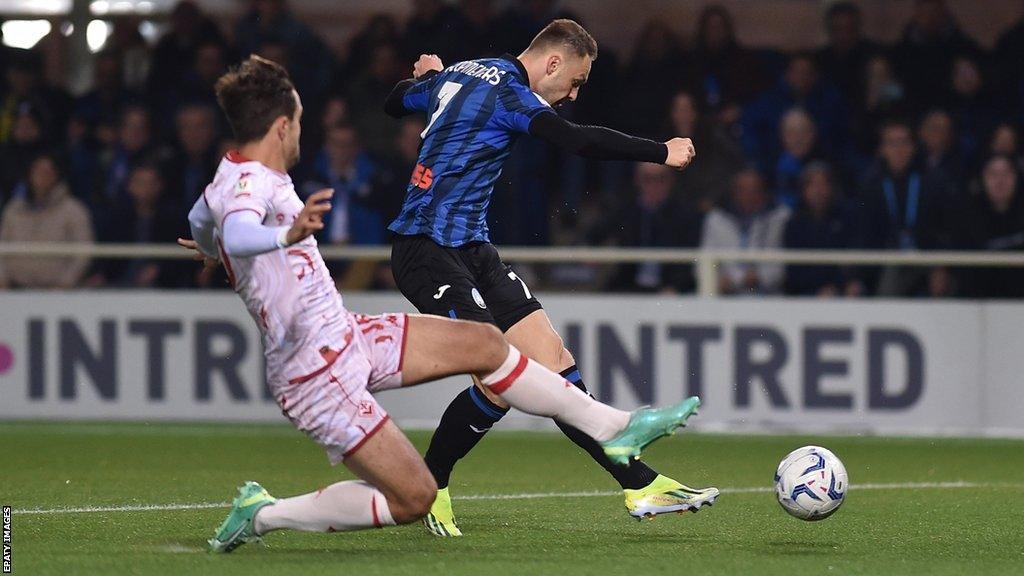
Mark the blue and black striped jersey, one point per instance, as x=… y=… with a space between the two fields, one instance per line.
x=476 y=111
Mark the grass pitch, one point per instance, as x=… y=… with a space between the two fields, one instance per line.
x=916 y=507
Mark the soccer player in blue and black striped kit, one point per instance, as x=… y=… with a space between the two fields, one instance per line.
x=442 y=258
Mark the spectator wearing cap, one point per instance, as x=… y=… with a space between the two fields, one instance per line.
x=823 y=221
x=45 y=212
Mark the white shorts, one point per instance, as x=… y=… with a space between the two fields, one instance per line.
x=335 y=405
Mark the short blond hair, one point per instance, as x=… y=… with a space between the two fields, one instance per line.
x=567 y=34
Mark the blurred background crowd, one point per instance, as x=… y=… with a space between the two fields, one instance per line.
x=914 y=145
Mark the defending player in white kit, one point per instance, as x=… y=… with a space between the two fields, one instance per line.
x=324 y=362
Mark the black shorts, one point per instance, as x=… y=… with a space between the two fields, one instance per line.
x=469 y=282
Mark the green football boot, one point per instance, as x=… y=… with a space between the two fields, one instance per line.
x=665 y=495
x=647 y=425
x=237 y=528
x=441 y=520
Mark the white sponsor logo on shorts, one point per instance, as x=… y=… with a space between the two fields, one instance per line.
x=440 y=291
x=478 y=298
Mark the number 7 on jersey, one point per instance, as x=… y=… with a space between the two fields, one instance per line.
x=444 y=96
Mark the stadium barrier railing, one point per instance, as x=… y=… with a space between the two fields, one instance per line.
x=706 y=261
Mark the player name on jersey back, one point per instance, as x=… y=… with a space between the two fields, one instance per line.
x=475 y=111
x=490 y=74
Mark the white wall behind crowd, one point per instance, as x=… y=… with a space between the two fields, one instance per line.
x=760 y=365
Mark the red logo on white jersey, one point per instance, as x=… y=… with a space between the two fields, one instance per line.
x=365 y=408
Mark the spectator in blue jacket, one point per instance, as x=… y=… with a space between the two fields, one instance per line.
x=799 y=138
x=799 y=87
x=342 y=164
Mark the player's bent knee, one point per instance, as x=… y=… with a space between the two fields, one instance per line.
x=565 y=358
x=415 y=503
x=423 y=498
x=487 y=342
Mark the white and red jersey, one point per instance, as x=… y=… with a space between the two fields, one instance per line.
x=289 y=292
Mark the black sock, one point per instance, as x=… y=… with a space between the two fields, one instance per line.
x=636 y=475
x=469 y=416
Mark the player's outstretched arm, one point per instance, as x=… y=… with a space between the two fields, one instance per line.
x=245 y=235
x=397 y=104
x=602 y=143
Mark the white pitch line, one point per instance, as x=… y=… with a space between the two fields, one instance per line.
x=746 y=490
x=137 y=508
x=526 y=496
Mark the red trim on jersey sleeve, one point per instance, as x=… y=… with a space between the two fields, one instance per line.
x=504 y=384
x=369 y=435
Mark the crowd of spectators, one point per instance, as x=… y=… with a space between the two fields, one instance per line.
x=911 y=146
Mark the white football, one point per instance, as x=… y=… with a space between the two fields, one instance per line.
x=811 y=483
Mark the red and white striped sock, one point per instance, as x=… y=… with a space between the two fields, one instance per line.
x=532 y=388
x=340 y=507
